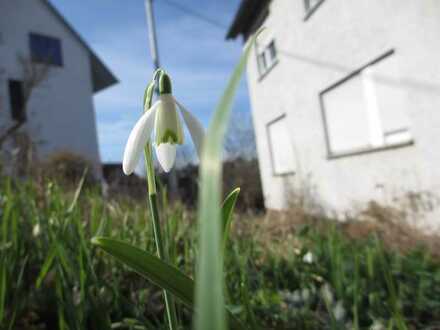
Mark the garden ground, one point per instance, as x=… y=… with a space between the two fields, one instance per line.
x=282 y=271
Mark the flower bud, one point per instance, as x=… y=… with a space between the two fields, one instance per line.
x=165 y=84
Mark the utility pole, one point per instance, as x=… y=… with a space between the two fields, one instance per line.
x=152 y=33
x=172 y=179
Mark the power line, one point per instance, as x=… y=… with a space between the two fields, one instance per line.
x=195 y=14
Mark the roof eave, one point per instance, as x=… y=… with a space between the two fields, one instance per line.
x=102 y=77
x=234 y=29
x=247 y=13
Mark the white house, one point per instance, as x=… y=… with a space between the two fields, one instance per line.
x=346 y=100
x=60 y=112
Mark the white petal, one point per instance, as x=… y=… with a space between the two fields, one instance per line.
x=166 y=155
x=168 y=121
x=194 y=126
x=138 y=138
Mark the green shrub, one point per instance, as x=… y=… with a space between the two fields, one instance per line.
x=67 y=168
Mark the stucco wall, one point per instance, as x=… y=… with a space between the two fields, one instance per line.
x=61 y=112
x=315 y=53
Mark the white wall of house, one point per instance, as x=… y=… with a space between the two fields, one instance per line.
x=61 y=114
x=402 y=90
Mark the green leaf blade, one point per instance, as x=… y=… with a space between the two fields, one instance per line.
x=149 y=266
x=227 y=211
x=46 y=265
x=210 y=282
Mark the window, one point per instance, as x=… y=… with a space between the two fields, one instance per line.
x=16 y=99
x=45 y=49
x=366 y=110
x=281 y=151
x=310 y=6
x=266 y=57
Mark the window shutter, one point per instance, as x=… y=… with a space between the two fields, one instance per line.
x=346 y=117
x=367 y=110
x=280 y=147
x=391 y=100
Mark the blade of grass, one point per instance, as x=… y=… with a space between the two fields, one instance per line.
x=3 y=289
x=393 y=299
x=78 y=191
x=209 y=285
x=46 y=265
x=16 y=296
x=227 y=211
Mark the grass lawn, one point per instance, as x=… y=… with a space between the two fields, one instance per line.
x=280 y=273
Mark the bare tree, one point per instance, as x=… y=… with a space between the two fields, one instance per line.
x=33 y=74
x=186 y=154
x=240 y=140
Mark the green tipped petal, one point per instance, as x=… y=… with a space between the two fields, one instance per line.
x=168 y=126
x=169 y=137
x=165 y=84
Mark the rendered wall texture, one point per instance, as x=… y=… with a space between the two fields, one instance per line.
x=315 y=53
x=61 y=113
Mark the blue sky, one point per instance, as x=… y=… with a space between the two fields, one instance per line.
x=195 y=53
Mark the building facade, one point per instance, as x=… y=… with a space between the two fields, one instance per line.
x=346 y=101
x=60 y=112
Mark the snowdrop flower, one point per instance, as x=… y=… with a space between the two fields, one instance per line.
x=308 y=258
x=377 y=325
x=36 y=230
x=339 y=311
x=327 y=294
x=168 y=132
x=305 y=294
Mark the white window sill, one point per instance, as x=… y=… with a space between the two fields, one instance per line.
x=283 y=174
x=367 y=150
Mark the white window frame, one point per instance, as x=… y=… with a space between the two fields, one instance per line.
x=275 y=172
x=266 y=56
x=379 y=139
x=310 y=9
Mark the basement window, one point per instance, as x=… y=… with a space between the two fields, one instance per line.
x=16 y=99
x=45 y=49
x=366 y=111
x=280 y=147
x=311 y=6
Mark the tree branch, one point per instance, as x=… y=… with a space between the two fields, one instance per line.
x=33 y=75
x=10 y=131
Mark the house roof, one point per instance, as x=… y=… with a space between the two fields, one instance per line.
x=246 y=15
x=102 y=77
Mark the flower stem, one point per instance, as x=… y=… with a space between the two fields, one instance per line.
x=149 y=168
x=152 y=199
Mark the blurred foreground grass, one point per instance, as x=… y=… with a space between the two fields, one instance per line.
x=279 y=273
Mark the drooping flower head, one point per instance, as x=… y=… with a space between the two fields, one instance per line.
x=164 y=120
